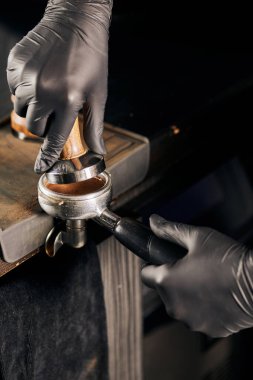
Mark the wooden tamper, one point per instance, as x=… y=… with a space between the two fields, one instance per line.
x=76 y=162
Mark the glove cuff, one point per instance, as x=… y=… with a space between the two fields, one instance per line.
x=243 y=293
x=76 y=11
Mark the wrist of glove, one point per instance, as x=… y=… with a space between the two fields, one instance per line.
x=58 y=67
x=74 y=13
x=211 y=288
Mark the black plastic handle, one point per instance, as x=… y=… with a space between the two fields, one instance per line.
x=142 y=242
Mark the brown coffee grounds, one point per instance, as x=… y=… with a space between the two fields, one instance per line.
x=78 y=188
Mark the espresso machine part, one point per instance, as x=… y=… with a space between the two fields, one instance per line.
x=83 y=200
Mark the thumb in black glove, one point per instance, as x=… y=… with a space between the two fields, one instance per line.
x=56 y=68
x=211 y=288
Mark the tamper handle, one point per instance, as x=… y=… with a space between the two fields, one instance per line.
x=75 y=145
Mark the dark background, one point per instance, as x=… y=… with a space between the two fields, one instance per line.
x=167 y=60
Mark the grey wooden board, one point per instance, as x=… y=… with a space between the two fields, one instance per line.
x=127 y=160
x=123 y=302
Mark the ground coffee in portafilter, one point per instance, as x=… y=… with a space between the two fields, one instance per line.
x=78 y=188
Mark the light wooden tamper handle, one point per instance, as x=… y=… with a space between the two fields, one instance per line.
x=75 y=145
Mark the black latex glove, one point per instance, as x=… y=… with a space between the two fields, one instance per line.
x=57 y=67
x=211 y=288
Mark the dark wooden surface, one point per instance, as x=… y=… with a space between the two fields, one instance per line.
x=18 y=182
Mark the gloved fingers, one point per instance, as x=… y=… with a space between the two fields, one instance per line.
x=93 y=112
x=157 y=275
x=13 y=76
x=14 y=71
x=20 y=107
x=36 y=119
x=178 y=233
x=23 y=94
x=59 y=126
x=149 y=275
x=18 y=55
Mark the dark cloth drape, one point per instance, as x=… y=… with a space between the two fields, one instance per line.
x=52 y=319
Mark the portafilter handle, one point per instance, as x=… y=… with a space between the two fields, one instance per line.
x=140 y=239
x=134 y=235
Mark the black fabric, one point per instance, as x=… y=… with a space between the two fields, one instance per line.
x=52 y=319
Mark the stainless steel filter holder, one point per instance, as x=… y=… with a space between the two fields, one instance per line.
x=74 y=209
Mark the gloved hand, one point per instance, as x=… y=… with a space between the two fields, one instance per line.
x=57 y=67
x=211 y=288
